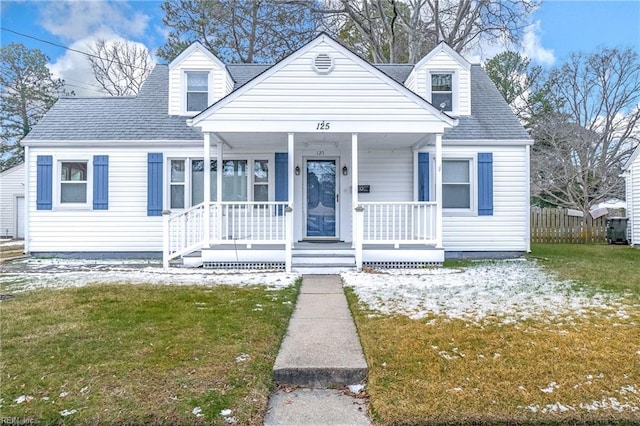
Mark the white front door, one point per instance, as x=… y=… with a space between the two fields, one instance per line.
x=321 y=198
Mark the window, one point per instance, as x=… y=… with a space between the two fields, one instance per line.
x=186 y=181
x=456 y=184
x=197 y=91
x=260 y=180
x=177 y=184
x=73 y=182
x=234 y=180
x=442 y=91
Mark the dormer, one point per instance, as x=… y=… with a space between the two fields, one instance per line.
x=197 y=79
x=443 y=77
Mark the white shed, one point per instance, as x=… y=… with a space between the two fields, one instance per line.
x=12 y=202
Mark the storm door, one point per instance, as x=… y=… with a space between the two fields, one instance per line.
x=321 y=198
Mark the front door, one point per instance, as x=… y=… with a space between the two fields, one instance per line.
x=321 y=196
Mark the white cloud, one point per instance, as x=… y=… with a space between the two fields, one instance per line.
x=532 y=46
x=75 y=68
x=77 y=19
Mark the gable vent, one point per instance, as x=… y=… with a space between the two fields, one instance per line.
x=322 y=63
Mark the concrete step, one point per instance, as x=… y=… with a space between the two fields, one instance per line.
x=321 y=348
x=323 y=259
x=321 y=269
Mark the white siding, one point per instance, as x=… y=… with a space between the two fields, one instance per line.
x=443 y=62
x=295 y=93
x=220 y=83
x=633 y=201
x=389 y=174
x=507 y=229
x=11 y=187
x=125 y=226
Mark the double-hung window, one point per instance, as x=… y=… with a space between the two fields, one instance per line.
x=197 y=91
x=442 y=91
x=73 y=182
x=457 y=190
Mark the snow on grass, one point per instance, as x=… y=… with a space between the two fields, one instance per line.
x=34 y=274
x=510 y=291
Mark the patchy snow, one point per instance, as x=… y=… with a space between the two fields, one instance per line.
x=356 y=389
x=23 y=398
x=226 y=412
x=65 y=413
x=197 y=411
x=37 y=273
x=508 y=291
x=550 y=387
x=242 y=358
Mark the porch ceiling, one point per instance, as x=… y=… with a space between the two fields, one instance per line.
x=278 y=141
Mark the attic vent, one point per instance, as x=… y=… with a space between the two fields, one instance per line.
x=323 y=63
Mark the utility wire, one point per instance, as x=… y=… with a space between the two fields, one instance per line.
x=68 y=48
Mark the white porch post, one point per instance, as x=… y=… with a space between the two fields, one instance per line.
x=289 y=210
x=207 y=189
x=439 y=190
x=219 y=145
x=358 y=212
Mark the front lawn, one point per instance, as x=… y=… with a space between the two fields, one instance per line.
x=504 y=342
x=141 y=354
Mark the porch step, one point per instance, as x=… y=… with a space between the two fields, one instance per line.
x=323 y=259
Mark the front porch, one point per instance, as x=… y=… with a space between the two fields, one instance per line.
x=259 y=235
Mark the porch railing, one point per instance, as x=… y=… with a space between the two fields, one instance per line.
x=184 y=231
x=261 y=222
x=410 y=222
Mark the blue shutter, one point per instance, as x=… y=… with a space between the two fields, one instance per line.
x=423 y=176
x=154 y=184
x=282 y=178
x=485 y=184
x=44 y=182
x=101 y=182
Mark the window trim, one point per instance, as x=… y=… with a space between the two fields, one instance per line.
x=473 y=182
x=188 y=177
x=57 y=184
x=184 y=88
x=455 y=92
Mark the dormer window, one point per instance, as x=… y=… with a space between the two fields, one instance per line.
x=197 y=91
x=442 y=91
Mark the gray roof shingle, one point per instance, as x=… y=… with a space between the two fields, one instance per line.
x=145 y=116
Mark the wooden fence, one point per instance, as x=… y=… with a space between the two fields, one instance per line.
x=550 y=225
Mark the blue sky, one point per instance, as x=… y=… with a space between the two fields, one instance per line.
x=558 y=28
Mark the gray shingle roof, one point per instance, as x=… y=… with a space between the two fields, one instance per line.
x=108 y=118
x=145 y=116
x=491 y=117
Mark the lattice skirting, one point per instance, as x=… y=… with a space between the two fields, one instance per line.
x=280 y=266
x=400 y=265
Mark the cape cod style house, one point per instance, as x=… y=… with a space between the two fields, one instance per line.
x=632 y=185
x=321 y=160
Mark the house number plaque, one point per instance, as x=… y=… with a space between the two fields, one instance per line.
x=323 y=125
x=364 y=189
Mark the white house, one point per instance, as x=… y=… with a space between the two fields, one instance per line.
x=322 y=159
x=12 y=202
x=632 y=180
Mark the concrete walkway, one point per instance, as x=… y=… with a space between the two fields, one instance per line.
x=320 y=351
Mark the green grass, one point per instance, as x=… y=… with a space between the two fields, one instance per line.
x=123 y=354
x=598 y=266
x=442 y=371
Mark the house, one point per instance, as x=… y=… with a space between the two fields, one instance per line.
x=632 y=186
x=321 y=160
x=12 y=202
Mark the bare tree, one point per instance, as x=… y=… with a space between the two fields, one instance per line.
x=120 y=67
x=580 y=150
x=404 y=30
x=238 y=30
